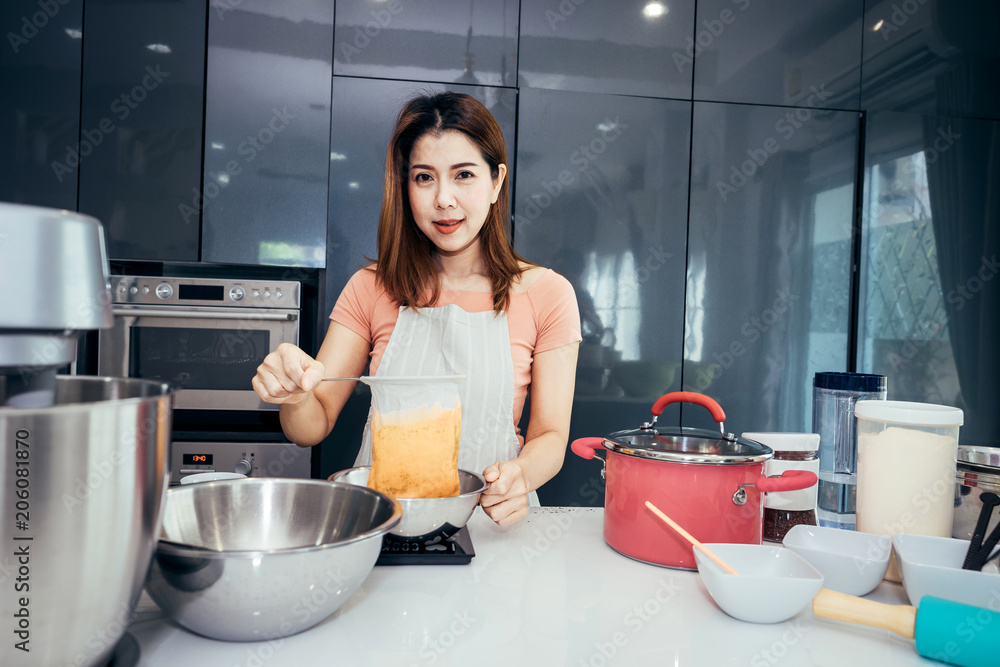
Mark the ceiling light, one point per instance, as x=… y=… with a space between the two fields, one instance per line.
x=654 y=10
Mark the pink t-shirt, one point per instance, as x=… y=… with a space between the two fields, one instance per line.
x=543 y=317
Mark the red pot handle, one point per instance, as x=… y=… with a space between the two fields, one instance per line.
x=586 y=448
x=718 y=414
x=790 y=480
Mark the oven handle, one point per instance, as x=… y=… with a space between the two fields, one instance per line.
x=202 y=315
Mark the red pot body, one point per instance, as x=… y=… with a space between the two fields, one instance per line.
x=699 y=497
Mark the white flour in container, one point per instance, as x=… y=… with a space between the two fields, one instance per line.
x=905 y=484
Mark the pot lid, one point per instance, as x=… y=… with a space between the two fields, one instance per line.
x=987 y=457
x=687 y=445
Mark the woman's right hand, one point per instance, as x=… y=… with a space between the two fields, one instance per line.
x=287 y=375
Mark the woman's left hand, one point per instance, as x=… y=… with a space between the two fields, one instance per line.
x=506 y=498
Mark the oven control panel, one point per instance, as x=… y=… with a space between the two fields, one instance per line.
x=257 y=459
x=205 y=292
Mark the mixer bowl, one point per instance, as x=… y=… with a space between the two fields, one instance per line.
x=427 y=518
x=84 y=482
x=259 y=559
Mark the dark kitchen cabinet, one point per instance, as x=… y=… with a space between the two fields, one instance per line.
x=788 y=53
x=364 y=112
x=635 y=47
x=267 y=133
x=602 y=197
x=447 y=41
x=141 y=125
x=769 y=260
x=932 y=57
x=40 y=62
x=930 y=291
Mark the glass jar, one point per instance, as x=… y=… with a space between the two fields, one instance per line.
x=784 y=509
x=834 y=398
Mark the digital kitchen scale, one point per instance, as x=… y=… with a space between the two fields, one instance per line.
x=454 y=550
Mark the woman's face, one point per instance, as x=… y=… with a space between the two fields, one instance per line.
x=451 y=190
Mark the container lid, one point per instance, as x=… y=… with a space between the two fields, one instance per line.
x=865 y=382
x=687 y=445
x=905 y=412
x=786 y=442
x=988 y=457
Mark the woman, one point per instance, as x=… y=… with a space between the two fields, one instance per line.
x=445 y=264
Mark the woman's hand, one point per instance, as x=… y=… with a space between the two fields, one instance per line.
x=506 y=499
x=287 y=375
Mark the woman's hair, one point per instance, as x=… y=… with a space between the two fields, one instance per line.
x=405 y=266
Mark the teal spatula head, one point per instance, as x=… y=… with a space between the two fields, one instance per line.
x=958 y=634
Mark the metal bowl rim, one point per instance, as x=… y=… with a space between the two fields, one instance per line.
x=172 y=548
x=479 y=490
x=167 y=392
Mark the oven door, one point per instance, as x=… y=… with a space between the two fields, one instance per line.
x=209 y=355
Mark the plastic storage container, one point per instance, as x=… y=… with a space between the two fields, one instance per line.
x=784 y=509
x=834 y=397
x=906 y=469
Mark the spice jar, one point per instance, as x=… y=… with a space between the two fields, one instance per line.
x=784 y=509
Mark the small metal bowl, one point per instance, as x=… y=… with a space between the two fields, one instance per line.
x=427 y=518
x=258 y=559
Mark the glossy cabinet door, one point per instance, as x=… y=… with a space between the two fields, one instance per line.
x=40 y=102
x=779 y=52
x=602 y=184
x=601 y=197
x=769 y=260
x=633 y=47
x=930 y=290
x=932 y=57
x=446 y=41
x=141 y=125
x=267 y=133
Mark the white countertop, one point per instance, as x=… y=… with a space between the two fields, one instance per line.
x=547 y=591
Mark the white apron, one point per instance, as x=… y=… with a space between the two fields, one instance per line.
x=450 y=341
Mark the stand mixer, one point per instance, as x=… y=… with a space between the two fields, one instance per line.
x=83 y=471
x=55 y=275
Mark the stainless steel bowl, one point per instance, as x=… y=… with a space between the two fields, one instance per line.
x=427 y=518
x=83 y=485
x=258 y=559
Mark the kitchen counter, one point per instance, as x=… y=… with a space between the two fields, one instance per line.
x=546 y=591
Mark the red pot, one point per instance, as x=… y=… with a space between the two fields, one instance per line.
x=712 y=484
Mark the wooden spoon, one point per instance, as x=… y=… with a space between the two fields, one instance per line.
x=687 y=536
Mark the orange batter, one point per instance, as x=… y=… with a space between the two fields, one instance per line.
x=416 y=455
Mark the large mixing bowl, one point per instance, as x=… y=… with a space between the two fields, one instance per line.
x=83 y=485
x=427 y=518
x=259 y=559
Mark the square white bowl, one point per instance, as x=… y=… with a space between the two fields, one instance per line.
x=933 y=566
x=851 y=562
x=773 y=583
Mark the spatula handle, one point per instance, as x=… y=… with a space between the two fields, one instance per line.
x=900 y=619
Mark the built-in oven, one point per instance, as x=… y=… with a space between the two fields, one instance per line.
x=206 y=337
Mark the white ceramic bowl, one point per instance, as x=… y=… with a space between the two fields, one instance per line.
x=933 y=566
x=210 y=477
x=851 y=562
x=773 y=583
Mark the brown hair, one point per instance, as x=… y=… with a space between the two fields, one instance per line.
x=406 y=267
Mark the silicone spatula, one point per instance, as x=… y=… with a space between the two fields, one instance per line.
x=951 y=632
